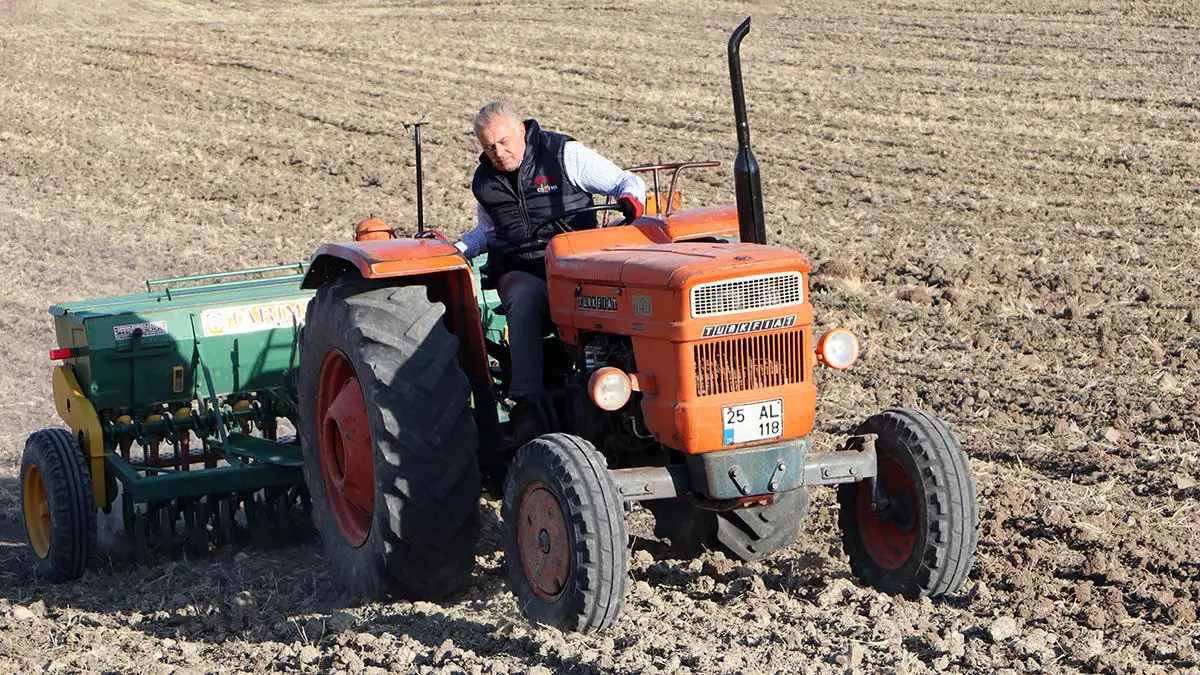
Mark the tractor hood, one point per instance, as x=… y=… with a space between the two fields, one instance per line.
x=670 y=265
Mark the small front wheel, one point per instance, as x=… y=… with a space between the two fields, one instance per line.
x=913 y=529
x=59 y=505
x=565 y=542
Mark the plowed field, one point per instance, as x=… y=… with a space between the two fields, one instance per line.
x=1001 y=198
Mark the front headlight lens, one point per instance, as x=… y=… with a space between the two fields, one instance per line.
x=610 y=388
x=838 y=349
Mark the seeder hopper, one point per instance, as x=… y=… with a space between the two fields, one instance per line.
x=175 y=395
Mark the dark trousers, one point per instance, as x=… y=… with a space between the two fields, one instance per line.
x=526 y=303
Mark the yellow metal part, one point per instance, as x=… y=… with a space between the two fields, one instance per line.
x=76 y=410
x=37 y=510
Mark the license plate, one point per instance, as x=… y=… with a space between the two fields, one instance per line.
x=753 y=421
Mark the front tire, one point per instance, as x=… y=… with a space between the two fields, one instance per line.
x=59 y=504
x=921 y=543
x=389 y=441
x=565 y=542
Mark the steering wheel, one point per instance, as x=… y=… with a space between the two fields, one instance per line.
x=560 y=221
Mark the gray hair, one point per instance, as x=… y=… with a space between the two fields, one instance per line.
x=495 y=109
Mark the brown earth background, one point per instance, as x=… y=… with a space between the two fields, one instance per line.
x=1000 y=197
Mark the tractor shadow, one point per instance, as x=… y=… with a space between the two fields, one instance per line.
x=280 y=596
x=12 y=526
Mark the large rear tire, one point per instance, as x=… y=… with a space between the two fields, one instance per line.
x=747 y=534
x=565 y=542
x=922 y=541
x=58 y=504
x=389 y=441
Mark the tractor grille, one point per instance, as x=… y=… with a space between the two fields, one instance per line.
x=745 y=363
x=746 y=294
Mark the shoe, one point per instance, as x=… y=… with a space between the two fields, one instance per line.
x=531 y=417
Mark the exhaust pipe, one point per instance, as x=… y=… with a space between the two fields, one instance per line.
x=745 y=168
x=420 y=188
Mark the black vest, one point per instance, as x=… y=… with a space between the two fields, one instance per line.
x=523 y=216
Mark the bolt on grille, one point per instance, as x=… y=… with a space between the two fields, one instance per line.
x=746 y=294
x=745 y=363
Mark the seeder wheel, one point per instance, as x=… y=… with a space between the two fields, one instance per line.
x=58 y=504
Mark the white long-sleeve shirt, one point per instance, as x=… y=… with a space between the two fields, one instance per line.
x=586 y=169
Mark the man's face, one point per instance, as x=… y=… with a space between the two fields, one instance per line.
x=503 y=141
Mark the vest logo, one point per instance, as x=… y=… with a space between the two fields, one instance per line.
x=598 y=303
x=755 y=326
x=542 y=184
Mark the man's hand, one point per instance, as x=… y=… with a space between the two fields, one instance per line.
x=631 y=208
x=431 y=234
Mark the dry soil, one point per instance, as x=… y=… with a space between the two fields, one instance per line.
x=1001 y=198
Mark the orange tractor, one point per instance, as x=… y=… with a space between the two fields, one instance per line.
x=681 y=362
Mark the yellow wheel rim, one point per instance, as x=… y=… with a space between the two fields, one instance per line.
x=37 y=511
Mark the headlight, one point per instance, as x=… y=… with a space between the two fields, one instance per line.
x=610 y=388
x=838 y=349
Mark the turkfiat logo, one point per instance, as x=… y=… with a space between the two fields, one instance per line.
x=598 y=303
x=741 y=327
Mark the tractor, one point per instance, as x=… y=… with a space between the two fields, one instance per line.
x=680 y=360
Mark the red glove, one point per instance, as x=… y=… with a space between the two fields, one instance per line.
x=631 y=208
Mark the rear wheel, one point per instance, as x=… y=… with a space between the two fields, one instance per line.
x=58 y=503
x=389 y=441
x=565 y=542
x=751 y=533
x=913 y=530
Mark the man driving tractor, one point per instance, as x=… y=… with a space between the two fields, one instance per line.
x=526 y=178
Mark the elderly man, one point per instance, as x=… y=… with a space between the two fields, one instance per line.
x=528 y=177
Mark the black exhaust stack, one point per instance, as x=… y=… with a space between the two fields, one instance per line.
x=416 y=126
x=745 y=168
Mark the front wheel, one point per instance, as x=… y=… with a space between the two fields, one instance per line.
x=911 y=531
x=565 y=542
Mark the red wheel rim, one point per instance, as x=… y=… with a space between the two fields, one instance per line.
x=542 y=540
x=344 y=448
x=889 y=540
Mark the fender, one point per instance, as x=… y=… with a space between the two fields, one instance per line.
x=77 y=411
x=382 y=259
x=712 y=221
x=428 y=262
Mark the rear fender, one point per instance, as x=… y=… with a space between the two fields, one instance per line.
x=409 y=262
x=381 y=259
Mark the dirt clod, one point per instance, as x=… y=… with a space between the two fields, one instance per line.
x=1002 y=629
x=308 y=654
